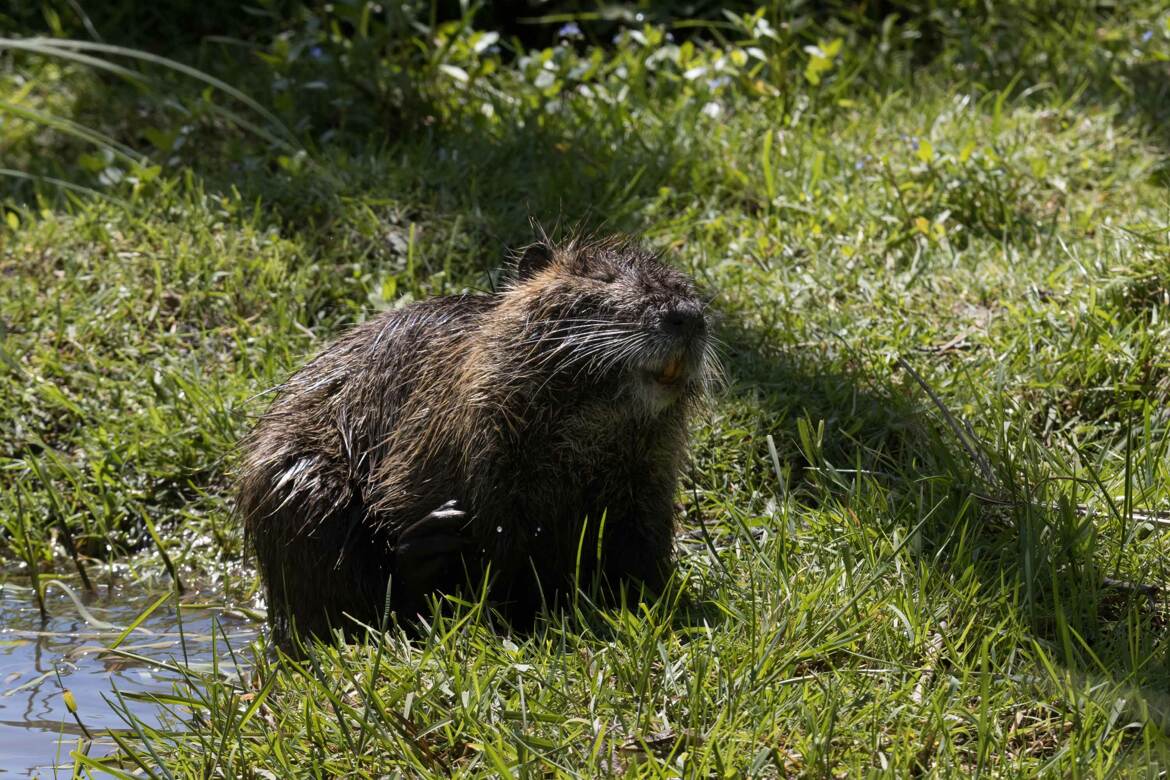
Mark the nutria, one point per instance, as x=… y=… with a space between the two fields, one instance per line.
x=483 y=435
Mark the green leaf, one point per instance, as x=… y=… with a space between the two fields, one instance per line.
x=769 y=180
x=162 y=140
x=816 y=66
x=138 y=620
x=925 y=151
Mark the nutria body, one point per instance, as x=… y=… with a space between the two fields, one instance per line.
x=479 y=435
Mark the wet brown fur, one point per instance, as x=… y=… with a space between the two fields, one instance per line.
x=530 y=409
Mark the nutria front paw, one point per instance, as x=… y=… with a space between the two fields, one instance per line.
x=430 y=550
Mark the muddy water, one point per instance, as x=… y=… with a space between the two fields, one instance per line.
x=39 y=659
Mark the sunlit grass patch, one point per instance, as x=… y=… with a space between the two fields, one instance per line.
x=925 y=526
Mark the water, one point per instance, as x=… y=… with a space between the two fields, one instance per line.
x=37 y=732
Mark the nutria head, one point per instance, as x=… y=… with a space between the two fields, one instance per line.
x=611 y=313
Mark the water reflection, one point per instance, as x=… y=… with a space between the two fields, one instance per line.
x=37 y=658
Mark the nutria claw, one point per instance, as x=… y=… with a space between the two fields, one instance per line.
x=446 y=512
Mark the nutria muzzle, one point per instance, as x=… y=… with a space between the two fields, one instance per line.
x=684 y=321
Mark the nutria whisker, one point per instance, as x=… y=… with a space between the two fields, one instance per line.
x=575 y=359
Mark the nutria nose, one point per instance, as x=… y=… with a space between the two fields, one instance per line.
x=683 y=320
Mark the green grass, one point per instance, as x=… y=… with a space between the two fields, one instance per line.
x=943 y=276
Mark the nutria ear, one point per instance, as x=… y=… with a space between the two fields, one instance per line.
x=533 y=258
